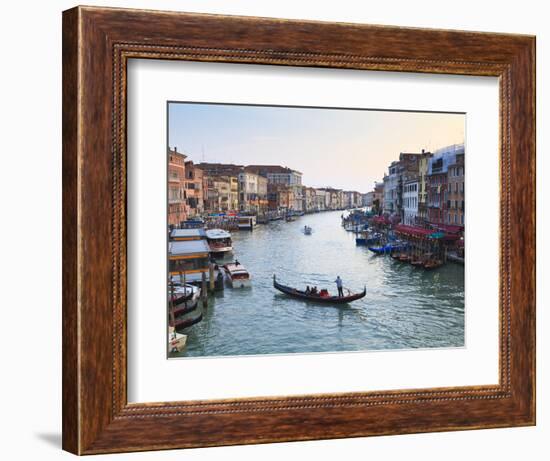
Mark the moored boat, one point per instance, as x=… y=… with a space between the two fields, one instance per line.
x=385 y=249
x=432 y=264
x=238 y=275
x=219 y=241
x=176 y=341
x=246 y=222
x=181 y=294
x=322 y=296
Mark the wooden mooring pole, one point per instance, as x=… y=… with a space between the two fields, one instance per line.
x=204 y=293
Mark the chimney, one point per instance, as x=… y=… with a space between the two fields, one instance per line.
x=176 y=149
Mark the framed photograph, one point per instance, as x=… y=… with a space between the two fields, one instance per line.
x=284 y=230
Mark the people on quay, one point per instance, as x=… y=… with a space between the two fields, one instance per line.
x=340 y=286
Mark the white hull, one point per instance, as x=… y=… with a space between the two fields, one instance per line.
x=221 y=250
x=240 y=283
x=176 y=341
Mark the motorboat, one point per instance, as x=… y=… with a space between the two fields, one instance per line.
x=237 y=275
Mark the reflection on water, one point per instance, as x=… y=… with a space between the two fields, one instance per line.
x=405 y=307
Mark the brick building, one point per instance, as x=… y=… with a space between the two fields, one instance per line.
x=177 y=204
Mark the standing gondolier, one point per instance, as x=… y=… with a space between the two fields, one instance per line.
x=339 y=284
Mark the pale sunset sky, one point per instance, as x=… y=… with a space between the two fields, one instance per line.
x=341 y=148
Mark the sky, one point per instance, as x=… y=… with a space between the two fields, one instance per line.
x=341 y=148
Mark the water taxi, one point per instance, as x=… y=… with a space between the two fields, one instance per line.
x=219 y=241
x=246 y=222
x=237 y=275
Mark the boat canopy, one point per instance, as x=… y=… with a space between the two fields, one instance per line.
x=217 y=234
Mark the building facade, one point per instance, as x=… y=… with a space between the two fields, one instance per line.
x=455 y=189
x=410 y=202
x=391 y=189
x=423 y=187
x=194 y=189
x=322 y=200
x=177 y=204
x=438 y=190
x=252 y=192
x=276 y=174
x=309 y=202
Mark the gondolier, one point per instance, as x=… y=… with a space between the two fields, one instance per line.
x=339 y=285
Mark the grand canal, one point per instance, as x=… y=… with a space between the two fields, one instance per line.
x=405 y=307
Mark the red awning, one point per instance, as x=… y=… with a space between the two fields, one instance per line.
x=413 y=230
x=448 y=228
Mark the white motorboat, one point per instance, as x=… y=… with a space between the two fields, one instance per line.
x=237 y=275
x=219 y=241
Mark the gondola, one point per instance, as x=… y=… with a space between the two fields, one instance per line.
x=180 y=298
x=318 y=298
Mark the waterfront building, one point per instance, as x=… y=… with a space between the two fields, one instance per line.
x=262 y=202
x=177 y=205
x=408 y=168
x=352 y=199
x=194 y=188
x=220 y=169
x=368 y=199
x=276 y=174
x=252 y=192
x=309 y=202
x=410 y=202
x=211 y=195
x=222 y=185
x=391 y=187
x=280 y=197
x=321 y=200
x=334 y=198
x=422 y=187
x=224 y=174
x=438 y=182
x=378 y=198
x=455 y=188
x=234 y=192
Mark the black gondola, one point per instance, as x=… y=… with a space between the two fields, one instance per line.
x=182 y=323
x=180 y=298
x=317 y=298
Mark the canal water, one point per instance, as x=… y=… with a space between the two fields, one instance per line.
x=405 y=307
